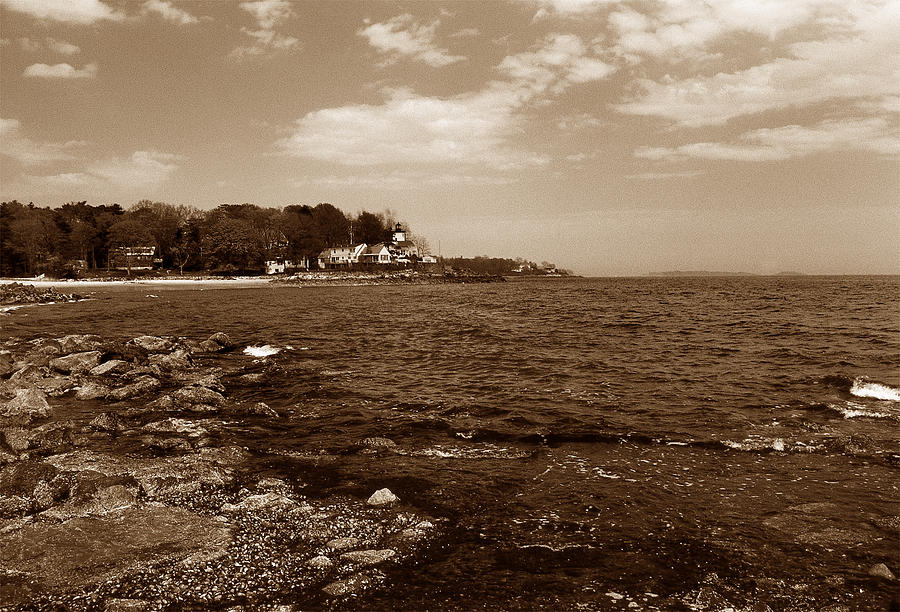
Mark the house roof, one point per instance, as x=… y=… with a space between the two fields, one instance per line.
x=375 y=249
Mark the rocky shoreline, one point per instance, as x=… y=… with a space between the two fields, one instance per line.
x=20 y=294
x=119 y=492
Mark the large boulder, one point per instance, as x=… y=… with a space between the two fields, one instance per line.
x=78 y=343
x=89 y=550
x=219 y=341
x=153 y=344
x=76 y=362
x=186 y=397
x=176 y=360
x=142 y=385
x=109 y=367
x=29 y=404
x=382 y=497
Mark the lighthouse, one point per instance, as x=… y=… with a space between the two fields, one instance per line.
x=399 y=234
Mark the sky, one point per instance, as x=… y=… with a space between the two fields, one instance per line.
x=611 y=137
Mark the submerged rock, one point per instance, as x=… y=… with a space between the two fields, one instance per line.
x=108 y=421
x=382 y=497
x=880 y=570
x=217 y=342
x=368 y=557
x=142 y=385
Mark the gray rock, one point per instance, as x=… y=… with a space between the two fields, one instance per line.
x=55 y=386
x=127 y=605
x=142 y=385
x=91 y=390
x=268 y=501
x=880 y=570
x=28 y=404
x=221 y=339
x=321 y=562
x=108 y=421
x=188 y=396
x=153 y=344
x=76 y=362
x=88 y=550
x=377 y=443
x=16 y=439
x=109 y=367
x=343 y=543
x=181 y=426
x=368 y=557
x=382 y=497
x=77 y=343
x=176 y=360
x=6 y=363
x=28 y=373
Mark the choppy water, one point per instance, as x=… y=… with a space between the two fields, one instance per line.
x=654 y=439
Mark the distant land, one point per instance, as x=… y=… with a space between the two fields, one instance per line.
x=717 y=273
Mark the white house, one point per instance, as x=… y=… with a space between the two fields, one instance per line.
x=377 y=253
x=342 y=256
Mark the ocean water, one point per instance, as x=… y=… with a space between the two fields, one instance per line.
x=659 y=443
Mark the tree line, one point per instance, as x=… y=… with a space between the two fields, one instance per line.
x=78 y=237
x=499 y=266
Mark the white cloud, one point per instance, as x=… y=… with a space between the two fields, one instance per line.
x=142 y=169
x=875 y=135
x=466 y=33
x=57 y=46
x=472 y=128
x=60 y=71
x=396 y=181
x=659 y=176
x=569 y=8
x=27 y=151
x=167 y=10
x=268 y=14
x=401 y=36
x=62 y=47
x=861 y=60
x=66 y=11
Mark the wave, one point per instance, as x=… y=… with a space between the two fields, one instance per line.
x=264 y=350
x=864 y=388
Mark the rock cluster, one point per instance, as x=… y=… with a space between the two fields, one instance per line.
x=120 y=490
x=17 y=293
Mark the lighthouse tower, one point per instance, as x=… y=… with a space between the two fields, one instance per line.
x=399 y=234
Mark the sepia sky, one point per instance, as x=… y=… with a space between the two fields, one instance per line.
x=610 y=137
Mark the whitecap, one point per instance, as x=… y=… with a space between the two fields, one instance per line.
x=261 y=351
x=863 y=388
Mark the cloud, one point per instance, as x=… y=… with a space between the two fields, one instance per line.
x=26 y=151
x=168 y=11
x=401 y=36
x=268 y=14
x=861 y=60
x=66 y=11
x=396 y=181
x=875 y=135
x=142 y=169
x=569 y=8
x=472 y=128
x=659 y=176
x=466 y=33
x=57 y=46
x=60 y=71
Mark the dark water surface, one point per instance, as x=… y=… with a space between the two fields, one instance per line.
x=595 y=444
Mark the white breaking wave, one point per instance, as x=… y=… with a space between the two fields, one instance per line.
x=862 y=388
x=261 y=351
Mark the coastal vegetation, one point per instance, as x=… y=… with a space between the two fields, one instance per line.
x=79 y=239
